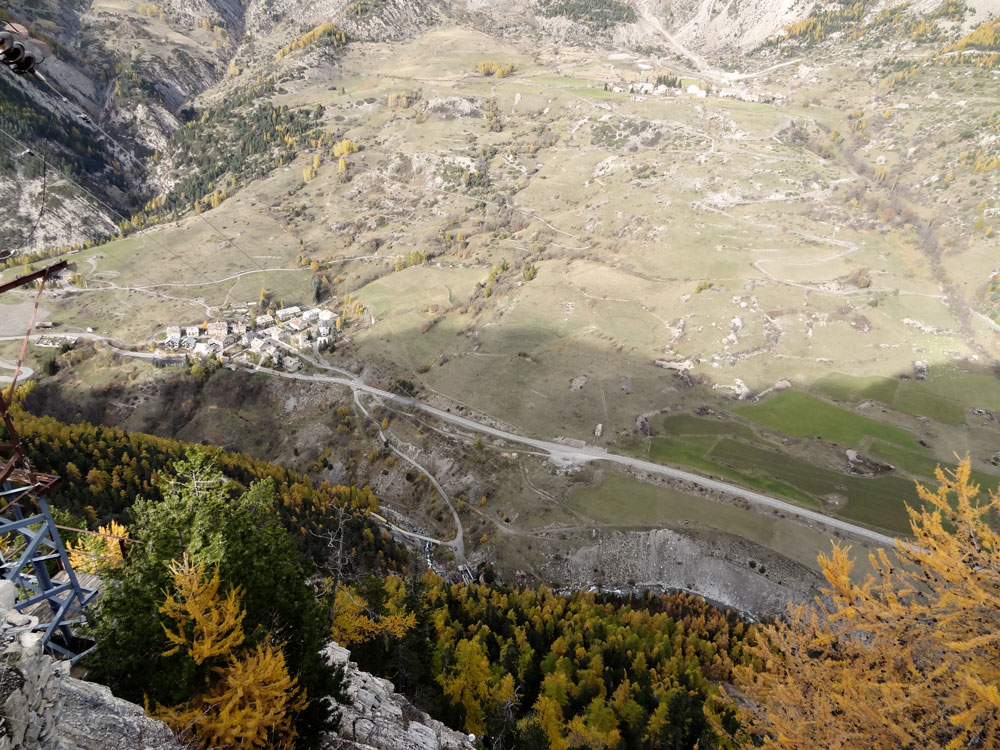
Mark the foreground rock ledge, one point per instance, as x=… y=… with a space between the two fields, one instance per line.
x=380 y=718
x=45 y=709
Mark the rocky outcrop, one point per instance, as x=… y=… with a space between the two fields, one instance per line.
x=864 y=466
x=43 y=708
x=119 y=117
x=712 y=27
x=380 y=719
x=381 y=21
x=727 y=570
x=230 y=13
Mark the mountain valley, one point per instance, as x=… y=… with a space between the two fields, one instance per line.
x=612 y=294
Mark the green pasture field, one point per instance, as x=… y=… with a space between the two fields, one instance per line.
x=557 y=81
x=689 y=451
x=976 y=389
x=799 y=414
x=876 y=501
x=855 y=389
x=922 y=467
x=624 y=502
x=695 y=452
x=914 y=397
x=688 y=424
x=402 y=340
x=732 y=451
x=626 y=321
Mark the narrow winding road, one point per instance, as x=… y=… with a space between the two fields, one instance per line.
x=567 y=455
x=26 y=372
x=457 y=544
x=559 y=453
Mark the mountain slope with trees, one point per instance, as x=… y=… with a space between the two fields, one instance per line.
x=284 y=566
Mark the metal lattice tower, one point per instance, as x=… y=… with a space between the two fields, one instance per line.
x=57 y=600
x=32 y=554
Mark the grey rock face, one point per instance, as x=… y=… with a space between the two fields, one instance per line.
x=380 y=719
x=93 y=719
x=43 y=708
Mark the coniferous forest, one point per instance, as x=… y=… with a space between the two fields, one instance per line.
x=294 y=564
x=225 y=576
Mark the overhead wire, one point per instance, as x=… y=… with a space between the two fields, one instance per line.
x=24 y=344
x=92 y=556
x=41 y=209
x=29 y=150
x=149 y=235
x=31 y=322
x=99 y=533
x=98 y=200
x=242 y=252
x=87 y=119
x=101 y=202
x=104 y=249
x=39 y=12
x=145 y=290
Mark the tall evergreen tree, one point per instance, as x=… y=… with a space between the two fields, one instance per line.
x=204 y=516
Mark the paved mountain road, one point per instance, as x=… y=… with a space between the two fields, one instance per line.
x=559 y=453
x=458 y=542
x=568 y=455
x=26 y=372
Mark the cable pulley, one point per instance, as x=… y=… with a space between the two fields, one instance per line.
x=18 y=51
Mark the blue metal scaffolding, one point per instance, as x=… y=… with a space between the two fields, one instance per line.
x=42 y=571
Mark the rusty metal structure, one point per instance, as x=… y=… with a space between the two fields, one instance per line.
x=32 y=554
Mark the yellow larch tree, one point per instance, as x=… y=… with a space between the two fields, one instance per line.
x=909 y=658
x=93 y=553
x=327 y=32
x=354 y=622
x=345 y=147
x=251 y=705
x=596 y=729
x=250 y=700
x=206 y=625
x=467 y=684
x=548 y=715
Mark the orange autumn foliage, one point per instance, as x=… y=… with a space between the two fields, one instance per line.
x=206 y=626
x=251 y=705
x=908 y=658
x=250 y=699
x=354 y=623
